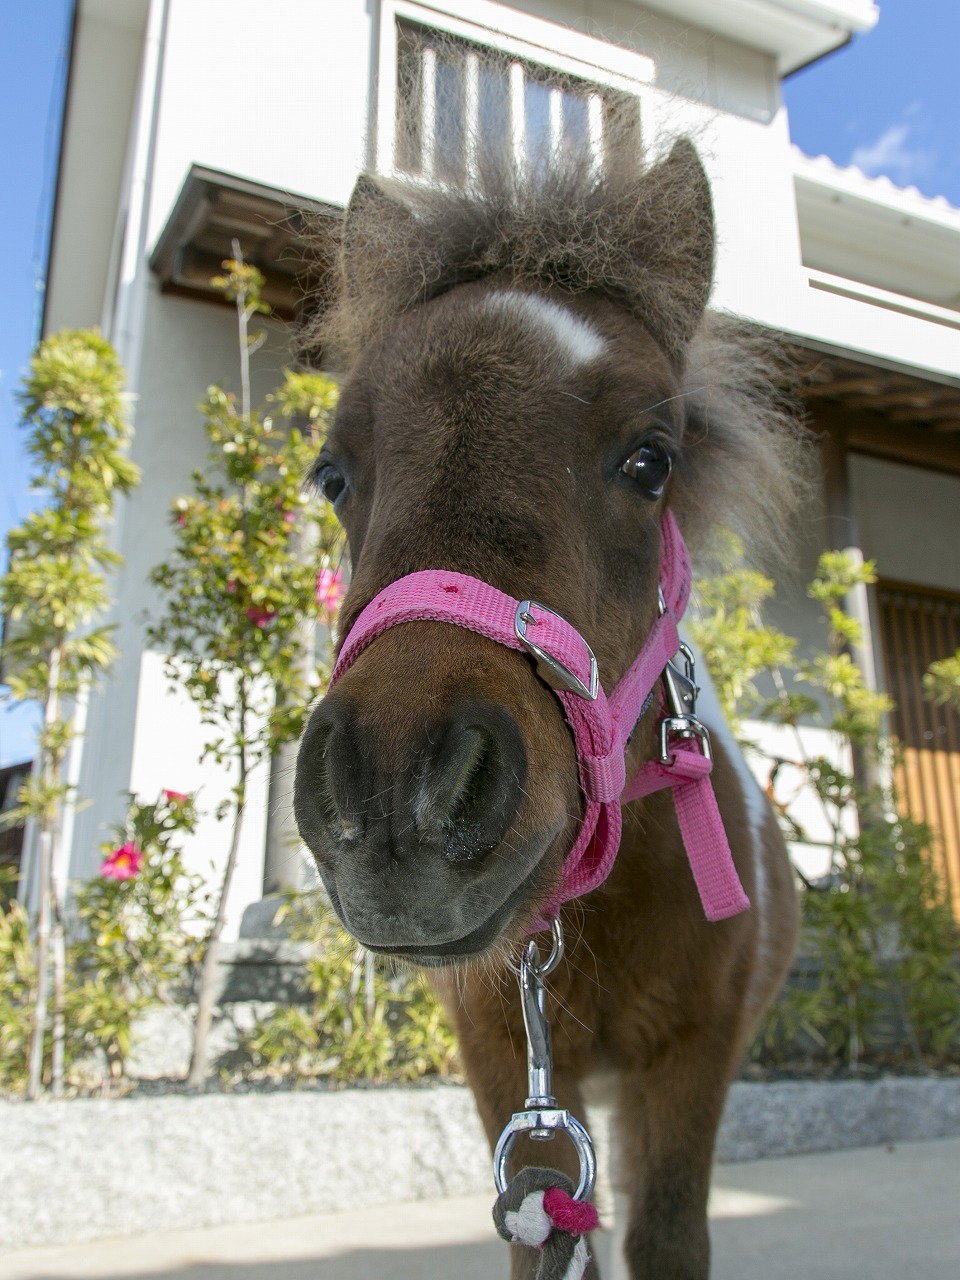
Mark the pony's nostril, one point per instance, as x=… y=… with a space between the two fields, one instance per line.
x=328 y=770
x=460 y=783
x=472 y=788
x=472 y=775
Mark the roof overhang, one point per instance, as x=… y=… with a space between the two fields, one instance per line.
x=288 y=237
x=131 y=14
x=870 y=230
x=795 y=32
x=882 y=411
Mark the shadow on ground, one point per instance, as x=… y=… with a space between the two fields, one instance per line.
x=462 y=1261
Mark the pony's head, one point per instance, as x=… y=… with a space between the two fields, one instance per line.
x=532 y=381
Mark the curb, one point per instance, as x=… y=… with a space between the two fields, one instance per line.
x=89 y=1168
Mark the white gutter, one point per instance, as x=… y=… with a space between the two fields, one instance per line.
x=794 y=32
x=853 y=15
x=869 y=230
x=879 y=192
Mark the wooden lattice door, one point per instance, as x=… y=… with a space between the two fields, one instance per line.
x=918 y=626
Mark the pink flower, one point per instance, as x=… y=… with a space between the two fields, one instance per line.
x=175 y=797
x=123 y=863
x=231 y=588
x=289 y=518
x=329 y=589
x=260 y=616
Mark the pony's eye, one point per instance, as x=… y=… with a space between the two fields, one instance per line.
x=650 y=466
x=328 y=480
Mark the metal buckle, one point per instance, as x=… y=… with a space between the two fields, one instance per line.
x=550 y=668
x=683 y=727
x=681 y=690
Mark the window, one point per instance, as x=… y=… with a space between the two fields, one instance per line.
x=444 y=91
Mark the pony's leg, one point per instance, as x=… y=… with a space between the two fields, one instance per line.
x=667 y=1119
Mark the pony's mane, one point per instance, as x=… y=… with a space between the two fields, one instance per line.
x=747 y=462
x=643 y=238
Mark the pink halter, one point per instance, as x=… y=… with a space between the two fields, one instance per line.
x=601 y=726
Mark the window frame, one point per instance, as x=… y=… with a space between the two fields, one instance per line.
x=515 y=34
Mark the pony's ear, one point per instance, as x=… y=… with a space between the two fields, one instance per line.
x=372 y=209
x=379 y=266
x=670 y=236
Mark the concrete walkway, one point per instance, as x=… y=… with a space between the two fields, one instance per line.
x=888 y=1213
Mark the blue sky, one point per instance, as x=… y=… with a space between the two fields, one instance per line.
x=889 y=102
x=33 y=44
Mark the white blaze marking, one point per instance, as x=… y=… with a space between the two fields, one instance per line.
x=571 y=337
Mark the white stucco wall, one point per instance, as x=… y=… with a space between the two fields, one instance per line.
x=277 y=94
x=909 y=521
x=165 y=755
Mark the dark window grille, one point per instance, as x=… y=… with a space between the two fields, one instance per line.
x=453 y=94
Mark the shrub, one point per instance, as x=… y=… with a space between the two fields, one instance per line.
x=877 y=926
x=359 y=1024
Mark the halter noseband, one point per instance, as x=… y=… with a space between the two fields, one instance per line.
x=601 y=727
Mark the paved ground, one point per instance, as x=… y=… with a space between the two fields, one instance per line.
x=886 y=1213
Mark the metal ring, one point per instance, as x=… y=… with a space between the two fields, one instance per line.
x=524 y=1122
x=553 y=959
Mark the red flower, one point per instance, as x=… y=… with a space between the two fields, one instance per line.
x=175 y=797
x=123 y=863
x=260 y=616
x=329 y=589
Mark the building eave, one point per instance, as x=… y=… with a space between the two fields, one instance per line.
x=794 y=32
x=214 y=209
x=868 y=229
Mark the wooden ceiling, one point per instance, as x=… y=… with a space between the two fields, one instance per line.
x=285 y=235
x=884 y=413
x=899 y=397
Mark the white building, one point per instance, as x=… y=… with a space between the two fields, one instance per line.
x=189 y=122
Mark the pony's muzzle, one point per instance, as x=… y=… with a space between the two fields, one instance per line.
x=403 y=812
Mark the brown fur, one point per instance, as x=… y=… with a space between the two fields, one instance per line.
x=469 y=442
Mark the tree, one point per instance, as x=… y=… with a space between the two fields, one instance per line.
x=245 y=572
x=941 y=684
x=74 y=407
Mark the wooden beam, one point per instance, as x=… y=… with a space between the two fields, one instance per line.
x=944 y=408
x=919 y=399
x=845 y=386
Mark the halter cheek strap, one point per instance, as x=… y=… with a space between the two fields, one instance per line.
x=601 y=727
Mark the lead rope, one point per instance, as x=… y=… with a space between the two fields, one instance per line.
x=539 y=1207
